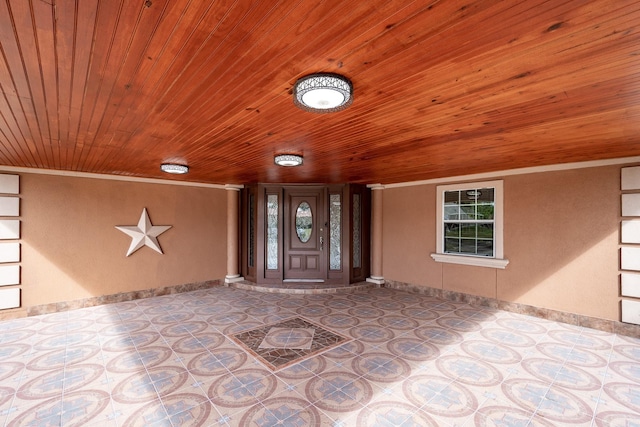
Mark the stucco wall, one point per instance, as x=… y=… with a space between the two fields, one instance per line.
x=71 y=249
x=560 y=236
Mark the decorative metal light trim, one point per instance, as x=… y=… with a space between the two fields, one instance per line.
x=174 y=168
x=288 y=160
x=323 y=93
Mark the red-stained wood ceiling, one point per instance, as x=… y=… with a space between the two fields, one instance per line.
x=441 y=88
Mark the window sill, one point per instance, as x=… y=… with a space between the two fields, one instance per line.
x=469 y=260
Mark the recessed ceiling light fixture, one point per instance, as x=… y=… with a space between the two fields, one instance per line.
x=288 y=160
x=174 y=168
x=323 y=93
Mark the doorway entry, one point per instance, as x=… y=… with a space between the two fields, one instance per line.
x=304 y=233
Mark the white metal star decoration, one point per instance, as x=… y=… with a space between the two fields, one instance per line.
x=144 y=234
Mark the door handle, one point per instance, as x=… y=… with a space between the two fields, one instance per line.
x=321 y=242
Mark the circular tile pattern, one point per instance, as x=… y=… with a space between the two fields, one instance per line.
x=366 y=312
x=625 y=394
x=313 y=310
x=469 y=371
x=438 y=335
x=629 y=370
x=6 y=395
x=420 y=313
x=146 y=357
x=562 y=374
x=345 y=351
x=530 y=327
x=630 y=351
x=439 y=395
x=389 y=305
x=275 y=411
x=10 y=351
x=166 y=319
x=571 y=354
x=437 y=305
x=217 y=361
x=340 y=304
x=263 y=310
x=125 y=328
x=490 y=416
x=491 y=351
x=197 y=413
x=338 y=391
x=51 y=384
x=9 y=369
x=413 y=349
x=617 y=419
x=580 y=340
x=21 y=323
x=305 y=369
x=131 y=342
x=339 y=321
x=19 y=335
x=212 y=309
x=69 y=340
x=394 y=414
x=199 y=342
x=507 y=337
x=458 y=324
x=88 y=404
x=381 y=367
x=474 y=314
x=225 y=319
x=402 y=323
x=553 y=403
x=159 y=308
x=146 y=386
x=244 y=387
x=371 y=333
x=57 y=359
x=182 y=329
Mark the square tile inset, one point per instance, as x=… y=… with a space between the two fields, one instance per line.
x=287 y=342
x=293 y=338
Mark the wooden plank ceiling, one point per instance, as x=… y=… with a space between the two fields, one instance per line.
x=441 y=88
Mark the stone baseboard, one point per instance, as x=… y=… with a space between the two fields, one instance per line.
x=115 y=298
x=544 y=313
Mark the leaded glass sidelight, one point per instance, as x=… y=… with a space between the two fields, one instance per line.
x=335 y=230
x=272 y=232
x=304 y=222
x=357 y=226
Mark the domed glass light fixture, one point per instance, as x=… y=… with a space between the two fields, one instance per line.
x=174 y=168
x=288 y=160
x=323 y=93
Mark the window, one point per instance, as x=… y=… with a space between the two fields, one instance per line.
x=469 y=224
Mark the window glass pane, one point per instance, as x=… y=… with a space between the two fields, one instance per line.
x=485 y=231
x=451 y=213
x=335 y=223
x=451 y=230
x=452 y=245
x=272 y=232
x=468 y=246
x=485 y=247
x=468 y=230
x=467 y=212
x=487 y=195
x=356 y=231
x=485 y=211
x=451 y=197
x=304 y=222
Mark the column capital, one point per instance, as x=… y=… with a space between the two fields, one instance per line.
x=375 y=186
x=236 y=187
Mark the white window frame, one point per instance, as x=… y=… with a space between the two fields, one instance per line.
x=498 y=260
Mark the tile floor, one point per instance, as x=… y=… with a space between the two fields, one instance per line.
x=406 y=360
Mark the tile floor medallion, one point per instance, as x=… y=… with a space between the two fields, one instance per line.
x=287 y=342
x=374 y=357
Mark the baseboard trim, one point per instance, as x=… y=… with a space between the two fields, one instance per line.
x=119 y=297
x=606 y=325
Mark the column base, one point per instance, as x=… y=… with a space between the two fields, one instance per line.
x=233 y=279
x=375 y=279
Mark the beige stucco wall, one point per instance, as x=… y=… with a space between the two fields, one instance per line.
x=71 y=249
x=560 y=237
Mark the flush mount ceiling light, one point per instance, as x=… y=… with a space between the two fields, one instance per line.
x=288 y=160
x=323 y=93
x=174 y=168
x=474 y=194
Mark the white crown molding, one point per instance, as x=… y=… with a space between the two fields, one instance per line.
x=521 y=171
x=16 y=169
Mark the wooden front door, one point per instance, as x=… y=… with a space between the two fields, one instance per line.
x=304 y=234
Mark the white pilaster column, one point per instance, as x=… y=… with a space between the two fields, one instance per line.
x=233 y=195
x=376 y=234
